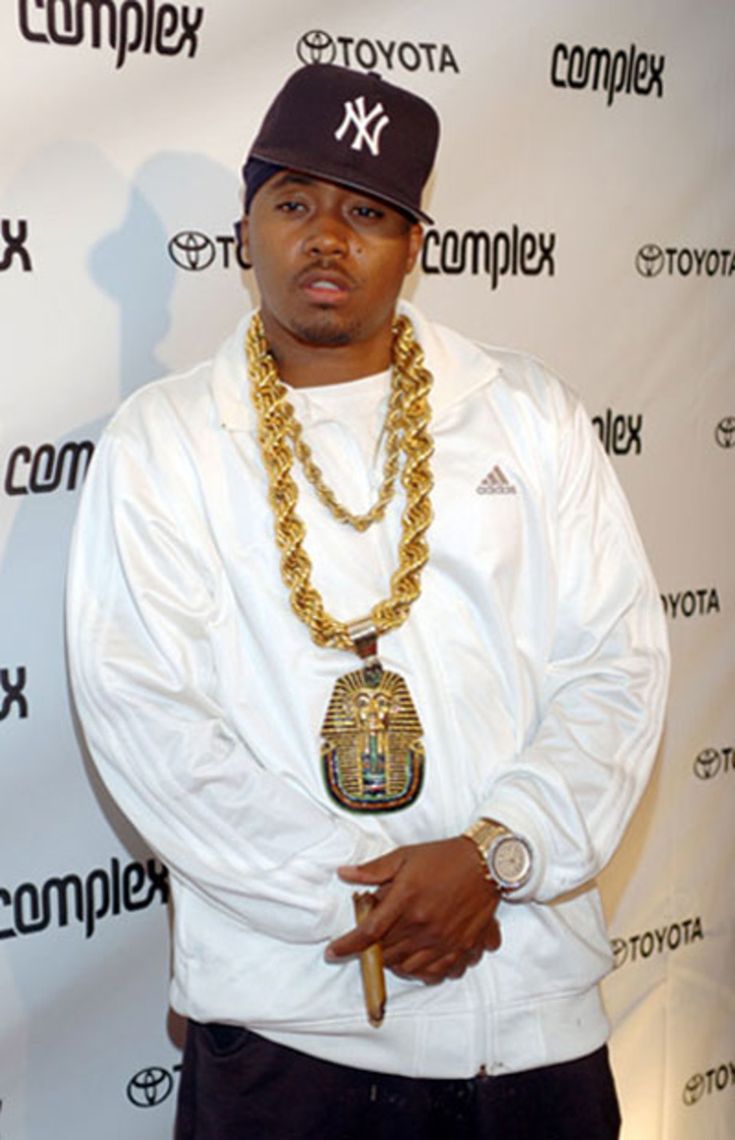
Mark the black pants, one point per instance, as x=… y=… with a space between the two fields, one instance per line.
x=238 y=1086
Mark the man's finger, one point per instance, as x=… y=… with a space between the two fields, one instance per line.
x=431 y=970
x=384 y=914
x=374 y=872
x=395 y=953
x=347 y=945
x=493 y=938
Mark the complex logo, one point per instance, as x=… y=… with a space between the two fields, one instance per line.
x=725 y=432
x=619 y=433
x=15 y=244
x=150 y=1087
x=514 y=252
x=103 y=892
x=358 y=117
x=319 y=47
x=658 y=941
x=710 y=762
x=45 y=469
x=688 y=603
x=704 y=1084
x=621 y=72
x=12 y=693
x=193 y=250
x=122 y=25
x=652 y=259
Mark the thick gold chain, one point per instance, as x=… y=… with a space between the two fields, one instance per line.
x=275 y=428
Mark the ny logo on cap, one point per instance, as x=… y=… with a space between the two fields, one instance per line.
x=367 y=129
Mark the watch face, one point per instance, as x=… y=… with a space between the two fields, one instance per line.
x=511 y=862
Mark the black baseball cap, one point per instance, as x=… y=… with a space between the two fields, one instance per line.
x=351 y=128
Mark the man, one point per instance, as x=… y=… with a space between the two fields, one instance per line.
x=298 y=679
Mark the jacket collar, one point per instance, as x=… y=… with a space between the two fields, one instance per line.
x=458 y=366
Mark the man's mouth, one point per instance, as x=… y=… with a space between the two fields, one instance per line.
x=329 y=287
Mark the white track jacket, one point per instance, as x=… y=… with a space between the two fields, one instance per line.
x=536 y=658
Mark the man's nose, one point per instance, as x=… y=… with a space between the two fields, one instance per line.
x=328 y=235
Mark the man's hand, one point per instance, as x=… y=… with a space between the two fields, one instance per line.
x=435 y=911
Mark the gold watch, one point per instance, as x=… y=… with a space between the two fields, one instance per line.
x=508 y=856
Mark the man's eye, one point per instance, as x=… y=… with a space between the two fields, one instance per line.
x=368 y=212
x=290 y=207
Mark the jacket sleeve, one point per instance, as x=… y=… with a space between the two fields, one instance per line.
x=574 y=786
x=140 y=600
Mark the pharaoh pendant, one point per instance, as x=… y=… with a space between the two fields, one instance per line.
x=372 y=755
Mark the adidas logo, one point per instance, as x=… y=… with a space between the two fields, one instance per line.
x=495 y=483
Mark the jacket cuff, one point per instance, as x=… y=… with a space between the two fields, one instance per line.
x=505 y=811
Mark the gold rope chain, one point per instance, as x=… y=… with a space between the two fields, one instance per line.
x=276 y=422
x=393 y=424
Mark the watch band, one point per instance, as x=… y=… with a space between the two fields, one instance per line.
x=507 y=857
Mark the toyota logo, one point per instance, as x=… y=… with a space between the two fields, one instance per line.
x=649 y=261
x=316 y=47
x=725 y=432
x=707 y=764
x=191 y=250
x=693 y=1089
x=150 y=1087
x=620 y=952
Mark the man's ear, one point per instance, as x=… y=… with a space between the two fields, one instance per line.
x=244 y=237
x=415 y=241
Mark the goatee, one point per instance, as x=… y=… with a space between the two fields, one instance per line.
x=323 y=332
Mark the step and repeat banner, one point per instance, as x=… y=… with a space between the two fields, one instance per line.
x=585 y=211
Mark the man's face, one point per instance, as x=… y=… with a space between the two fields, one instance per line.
x=329 y=261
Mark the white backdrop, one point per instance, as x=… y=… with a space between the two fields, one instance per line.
x=585 y=211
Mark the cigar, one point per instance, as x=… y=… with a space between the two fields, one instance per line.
x=371 y=965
